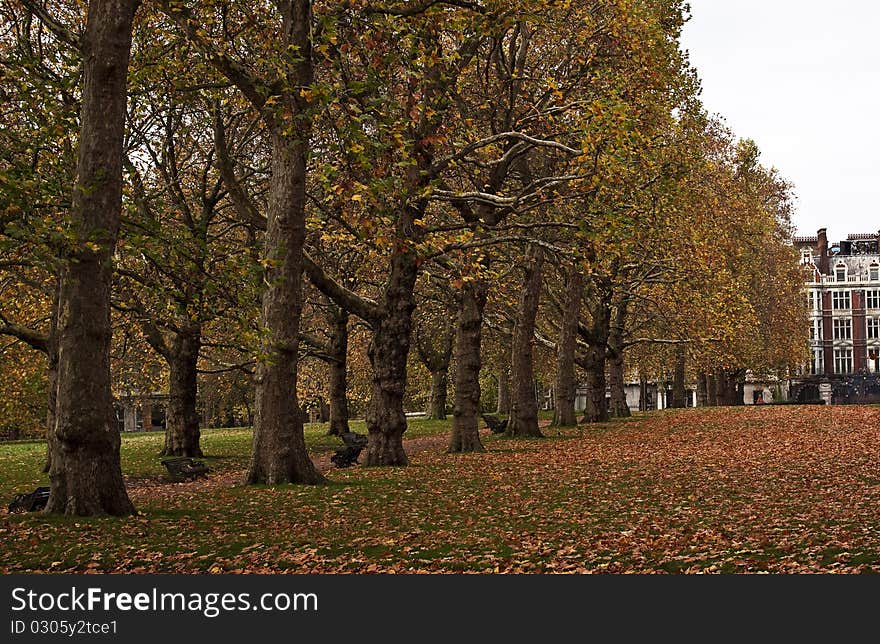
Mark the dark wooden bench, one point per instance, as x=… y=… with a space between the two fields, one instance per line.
x=347 y=455
x=184 y=468
x=495 y=424
x=32 y=502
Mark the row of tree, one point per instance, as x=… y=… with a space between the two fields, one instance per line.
x=284 y=199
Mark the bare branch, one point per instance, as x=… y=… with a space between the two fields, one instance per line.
x=61 y=31
x=349 y=300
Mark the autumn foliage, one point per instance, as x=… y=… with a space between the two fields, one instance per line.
x=763 y=489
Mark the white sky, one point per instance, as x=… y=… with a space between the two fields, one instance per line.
x=801 y=78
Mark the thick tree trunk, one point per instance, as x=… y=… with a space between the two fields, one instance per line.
x=702 y=390
x=85 y=474
x=678 y=376
x=339 y=373
x=619 y=408
x=566 y=388
x=593 y=365
x=437 y=403
x=468 y=338
x=279 y=451
x=182 y=433
x=524 y=406
x=388 y=353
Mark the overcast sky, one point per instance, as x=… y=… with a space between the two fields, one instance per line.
x=801 y=78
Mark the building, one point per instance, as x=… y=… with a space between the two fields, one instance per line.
x=843 y=297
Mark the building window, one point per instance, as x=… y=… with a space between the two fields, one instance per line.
x=842 y=329
x=816 y=363
x=874 y=273
x=872 y=299
x=840 y=273
x=874 y=328
x=807 y=256
x=816 y=329
x=843 y=360
x=840 y=300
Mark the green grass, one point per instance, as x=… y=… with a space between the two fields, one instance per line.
x=225 y=450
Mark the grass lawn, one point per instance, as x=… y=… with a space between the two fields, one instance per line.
x=779 y=489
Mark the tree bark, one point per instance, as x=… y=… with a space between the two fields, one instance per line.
x=566 y=387
x=643 y=393
x=388 y=353
x=51 y=400
x=712 y=390
x=678 y=377
x=593 y=364
x=702 y=390
x=434 y=347
x=721 y=388
x=279 y=451
x=182 y=433
x=738 y=388
x=619 y=408
x=437 y=403
x=503 y=406
x=85 y=475
x=468 y=339
x=52 y=379
x=524 y=407
x=338 y=372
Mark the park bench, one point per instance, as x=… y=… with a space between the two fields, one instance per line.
x=347 y=455
x=495 y=424
x=31 y=502
x=184 y=468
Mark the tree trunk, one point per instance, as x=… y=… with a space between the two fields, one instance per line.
x=503 y=406
x=619 y=408
x=279 y=451
x=182 y=433
x=434 y=348
x=468 y=339
x=711 y=390
x=52 y=392
x=437 y=404
x=643 y=393
x=721 y=388
x=339 y=372
x=524 y=406
x=593 y=365
x=678 y=376
x=566 y=387
x=388 y=353
x=702 y=389
x=738 y=388
x=85 y=474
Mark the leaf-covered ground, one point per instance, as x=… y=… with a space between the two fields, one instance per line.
x=777 y=489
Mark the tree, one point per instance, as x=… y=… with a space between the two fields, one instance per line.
x=279 y=92
x=523 y=408
x=85 y=473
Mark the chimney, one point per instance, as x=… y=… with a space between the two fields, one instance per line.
x=823 y=250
